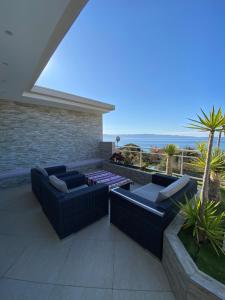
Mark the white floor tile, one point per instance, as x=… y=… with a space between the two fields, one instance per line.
x=89 y=263
x=141 y=295
x=23 y=290
x=101 y=230
x=11 y=248
x=78 y=293
x=30 y=224
x=136 y=269
x=41 y=261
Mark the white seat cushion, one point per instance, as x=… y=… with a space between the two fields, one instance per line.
x=59 y=184
x=42 y=171
x=149 y=191
x=173 y=188
x=84 y=186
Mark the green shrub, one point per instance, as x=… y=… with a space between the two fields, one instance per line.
x=208 y=228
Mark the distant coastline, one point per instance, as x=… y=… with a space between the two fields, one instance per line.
x=160 y=140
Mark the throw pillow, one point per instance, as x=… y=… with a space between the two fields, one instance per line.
x=173 y=188
x=59 y=184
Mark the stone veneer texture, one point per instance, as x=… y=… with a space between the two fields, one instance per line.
x=37 y=135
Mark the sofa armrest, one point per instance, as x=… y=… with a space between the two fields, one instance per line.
x=75 y=180
x=67 y=174
x=89 y=190
x=138 y=201
x=55 y=170
x=162 y=179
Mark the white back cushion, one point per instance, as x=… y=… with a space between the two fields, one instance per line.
x=42 y=171
x=173 y=188
x=149 y=191
x=59 y=184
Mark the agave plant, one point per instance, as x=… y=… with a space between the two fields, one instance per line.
x=201 y=147
x=209 y=227
x=211 y=124
x=217 y=169
x=170 y=150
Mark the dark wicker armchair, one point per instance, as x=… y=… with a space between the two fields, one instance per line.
x=143 y=220
x=70 y=212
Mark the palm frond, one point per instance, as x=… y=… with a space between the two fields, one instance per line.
x=217 y=162
x=212 y=122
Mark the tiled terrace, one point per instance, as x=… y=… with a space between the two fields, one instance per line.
x=99 y=262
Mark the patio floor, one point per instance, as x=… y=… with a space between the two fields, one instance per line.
x=99 y=262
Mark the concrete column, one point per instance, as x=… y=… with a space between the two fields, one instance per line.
x=107 y=149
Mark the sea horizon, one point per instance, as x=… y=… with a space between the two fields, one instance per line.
x=160 y=140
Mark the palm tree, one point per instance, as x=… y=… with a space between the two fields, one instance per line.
x=210 y=124
x=170 y=150
x=217 y=169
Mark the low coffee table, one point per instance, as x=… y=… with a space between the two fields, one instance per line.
x=110 y=179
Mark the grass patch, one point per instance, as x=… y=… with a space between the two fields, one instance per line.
x=207 y=260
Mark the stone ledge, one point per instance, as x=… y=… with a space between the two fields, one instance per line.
x=84 y=163
x=186 y=280
x=22 y=175
x=14 y=173
x=136 y=175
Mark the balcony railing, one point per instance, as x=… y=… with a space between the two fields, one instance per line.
x=153 y=159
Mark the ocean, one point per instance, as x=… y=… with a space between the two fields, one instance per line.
x=151 y=140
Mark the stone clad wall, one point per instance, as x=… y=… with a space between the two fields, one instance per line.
x=31 y=135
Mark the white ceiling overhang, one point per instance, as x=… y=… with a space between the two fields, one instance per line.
x=30 y=31
x=49 y=97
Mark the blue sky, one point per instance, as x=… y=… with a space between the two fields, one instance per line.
x=157 y=61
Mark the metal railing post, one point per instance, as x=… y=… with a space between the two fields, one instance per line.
x=140 y=158
x=182 y=163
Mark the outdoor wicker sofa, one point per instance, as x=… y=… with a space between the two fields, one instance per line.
x=60 y=171
x=144 y=220
x=70 y=211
